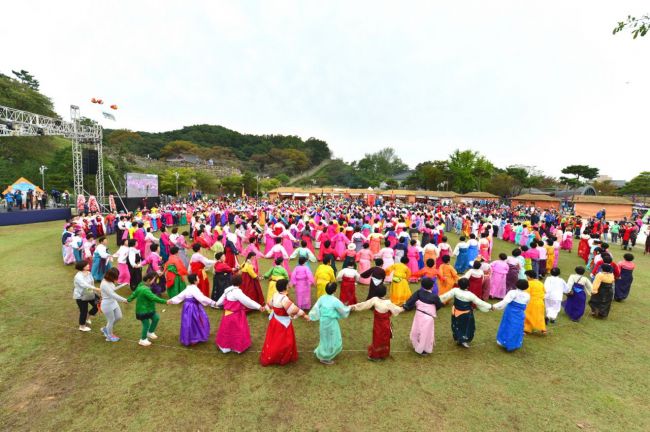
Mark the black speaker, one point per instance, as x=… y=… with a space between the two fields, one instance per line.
x=90 y=161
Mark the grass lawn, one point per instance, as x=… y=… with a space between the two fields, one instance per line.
x=590 y=376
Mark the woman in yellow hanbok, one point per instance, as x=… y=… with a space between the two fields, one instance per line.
x=399 y=288
x=324 y=275
x=535 y=309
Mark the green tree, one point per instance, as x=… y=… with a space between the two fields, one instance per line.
x=282 y=179
x=461 y=168
x=27 y=79
x=638 y=185
x=377 y=167
x=483 y=169
x=177 y=147
x=428 y=175
x=504 y=185
x=637 y=26
x=604 y=187
x=16 y=94
x=581 y=171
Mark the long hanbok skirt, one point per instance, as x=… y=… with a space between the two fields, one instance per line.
x=511 y=329
x=202 y=283
x=443 y=252
x=270 y=290
x=567 y=244
x=512 y=277
x=584 y=250
x=195 y=326
x=623 y=285
x=463 y=325
x=364 y=265
x=381 y=336
x=601 y=302
x=387 y=263
x=220 y=281
x=498 y=284
x=423 y=328
x=476 y=285
x=135 y=276
x=413 y=266
x=159 y=285
x=535 y=316
x=288 y=245
x=68 y=255
x=252 y=288
x=99 y=267
x=303 y=294
x=125 y=276
x=233 y=333
x=462 y=261
x=182 y=254
x=400 y=291
x=280 y=342
x=175 y=283
x=331 y=342
x=348 y=291
x=472 y=253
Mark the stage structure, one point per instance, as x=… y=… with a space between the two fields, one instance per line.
x=15 y=122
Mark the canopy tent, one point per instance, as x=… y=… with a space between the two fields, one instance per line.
x=22 y=184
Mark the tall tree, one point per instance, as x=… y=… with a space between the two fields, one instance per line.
x=638 y=185
x=461 y=168
x=428 y=175
x=604 y=187
x=503 y=184
x=483 y=169
x=581 y=171
x=377 y=167
x=177 y=147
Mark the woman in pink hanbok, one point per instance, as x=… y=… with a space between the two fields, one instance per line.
x=302 y=279
x=340 y=243
x=387 y=254
x=252 y=248
x=413 y=254
x=364 y=262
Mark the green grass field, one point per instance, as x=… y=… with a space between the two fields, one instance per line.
x=590 y=376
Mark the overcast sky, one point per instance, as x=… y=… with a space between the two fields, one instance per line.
x=535 y=83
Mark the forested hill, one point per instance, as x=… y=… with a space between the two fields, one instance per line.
x=261 y=153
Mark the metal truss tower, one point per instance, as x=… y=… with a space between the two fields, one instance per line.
x=15 y=122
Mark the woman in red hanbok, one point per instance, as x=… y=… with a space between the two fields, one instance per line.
x=381 y=328
x=280 y=342
x=198 y=263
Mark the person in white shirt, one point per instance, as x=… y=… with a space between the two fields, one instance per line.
x=511 y=329
x=462 y=314
x=555 y=288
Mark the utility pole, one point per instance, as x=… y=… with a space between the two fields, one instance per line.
x=177 y=176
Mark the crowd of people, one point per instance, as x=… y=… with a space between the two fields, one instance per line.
x=33 y=199
x=331 y=247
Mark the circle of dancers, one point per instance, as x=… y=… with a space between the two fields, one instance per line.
x=383 y=247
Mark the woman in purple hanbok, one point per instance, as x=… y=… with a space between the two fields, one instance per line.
x=195 y=326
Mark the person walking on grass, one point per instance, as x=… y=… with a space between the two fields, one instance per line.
x=145 y=309
x=110 y=303
x=85 y=294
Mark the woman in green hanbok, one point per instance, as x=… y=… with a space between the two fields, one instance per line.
x=328 y=309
